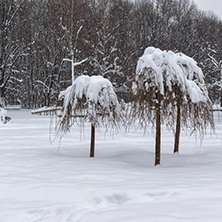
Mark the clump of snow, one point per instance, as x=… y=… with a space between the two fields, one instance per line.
x=3 y=114
x=91 y=96
x=195 y=92
x=96 y=85
x=169 y=68
x=76 y=91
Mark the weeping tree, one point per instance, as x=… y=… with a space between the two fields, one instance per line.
x=168 y=86
x=193 y=105
x=152 y=99
x=89 y=99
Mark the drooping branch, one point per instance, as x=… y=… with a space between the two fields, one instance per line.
x=170 y=88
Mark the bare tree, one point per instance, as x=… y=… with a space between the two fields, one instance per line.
x=10 y=48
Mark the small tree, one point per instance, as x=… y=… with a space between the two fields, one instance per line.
x=90 y=99
x=167 y=83
x=193 y=105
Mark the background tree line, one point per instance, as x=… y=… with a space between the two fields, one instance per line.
x=38 y=38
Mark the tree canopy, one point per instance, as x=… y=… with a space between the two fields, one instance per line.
x=166 y=84
x=90 y=99
x=94 y=99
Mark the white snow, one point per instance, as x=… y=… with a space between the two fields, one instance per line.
x=87 y=86
x=174 y=68
x=3 y=114
x=95 y=94
x=44 y=184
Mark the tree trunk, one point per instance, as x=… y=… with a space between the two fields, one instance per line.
x=2 y=94
x=158 y=131
x=92 y=147
x=177 y=134
x=221 y=97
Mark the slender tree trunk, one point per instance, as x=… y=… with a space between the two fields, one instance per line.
x=177 y=134
x=2 y=93
x=71 y=41
x=92 y=147
x=158 y=131
x=73 y=67
x=221 y=97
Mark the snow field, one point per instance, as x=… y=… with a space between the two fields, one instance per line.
x=40 y=182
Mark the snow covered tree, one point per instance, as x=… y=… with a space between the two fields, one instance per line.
x=10 y=49
x=3 y=113
x=89 y=99
x=41 y=42
x=167 y=83
x=106 y=44
x=193 y=105
x=71 y=24
x=214 y=64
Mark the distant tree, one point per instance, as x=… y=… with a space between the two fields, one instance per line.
x=109 y=43
x=165 y=84
x=89 y=99
x=42 y=41
x=212 y=56
x=72 y=32
x=10 y=47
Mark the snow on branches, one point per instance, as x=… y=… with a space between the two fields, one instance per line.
x=170 y=88
x=176 y=77
x=92 y=99
x=161 y=69
x=3 y=115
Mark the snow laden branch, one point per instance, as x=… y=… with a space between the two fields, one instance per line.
x=90 y=99
x=75 y=63
x=170 y=69
x=170 y=88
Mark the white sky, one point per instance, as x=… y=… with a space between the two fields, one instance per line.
x=210 y=5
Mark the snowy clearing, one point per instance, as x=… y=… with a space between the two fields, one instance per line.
x=44 y=184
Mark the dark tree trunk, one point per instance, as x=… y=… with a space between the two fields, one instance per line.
x=2 y=94
x=158 y=131
x=177 y=134
x=221 y=97
x=92 y=147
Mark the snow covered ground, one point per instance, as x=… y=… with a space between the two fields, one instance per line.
x=44 y=184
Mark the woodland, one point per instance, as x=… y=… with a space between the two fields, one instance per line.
x=40 y=40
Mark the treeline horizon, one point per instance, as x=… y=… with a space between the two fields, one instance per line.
x=38 y=39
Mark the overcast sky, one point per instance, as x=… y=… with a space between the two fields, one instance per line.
x=210 y=5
